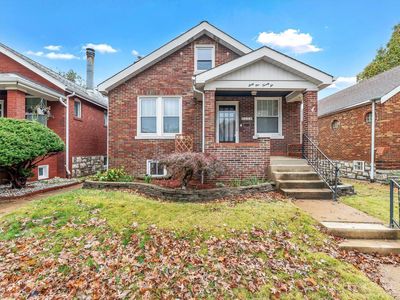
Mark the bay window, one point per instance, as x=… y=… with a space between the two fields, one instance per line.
x=159 y=116
x=268 y=117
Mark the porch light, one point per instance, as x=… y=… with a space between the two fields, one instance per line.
x=254 y=93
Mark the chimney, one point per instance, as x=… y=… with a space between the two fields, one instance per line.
x=90 y=68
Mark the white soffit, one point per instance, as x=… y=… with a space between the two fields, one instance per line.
x=172 y=46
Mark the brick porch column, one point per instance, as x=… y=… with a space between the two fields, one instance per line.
x=209 y=118
x=15 y=104
x=310 y=115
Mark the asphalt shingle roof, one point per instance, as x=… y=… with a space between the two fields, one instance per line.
x=366 y=90
x=93 y=96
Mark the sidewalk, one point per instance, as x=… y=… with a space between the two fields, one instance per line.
x=9 y=206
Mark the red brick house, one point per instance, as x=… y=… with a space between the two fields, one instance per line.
x=240 y=104
x=78 y=115
x=367 y=147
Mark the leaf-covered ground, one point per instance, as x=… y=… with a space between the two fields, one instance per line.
x=114 y=245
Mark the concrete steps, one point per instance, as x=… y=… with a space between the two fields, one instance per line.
x=351 y=230
x=297 y=193
x=383 y=247
x=307 y=184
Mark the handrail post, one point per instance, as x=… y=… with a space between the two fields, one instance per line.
x=336 y=181
x=391 y=223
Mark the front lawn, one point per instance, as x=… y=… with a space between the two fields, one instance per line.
x=371 y=198
x=121 y=245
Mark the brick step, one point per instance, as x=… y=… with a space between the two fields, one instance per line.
x=304 y=184
x=291 y=168
x=295 y=176
x=383 y=247
x=308 y=193
x=351 y=230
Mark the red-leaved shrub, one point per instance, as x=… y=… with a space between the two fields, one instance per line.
x=184 y=166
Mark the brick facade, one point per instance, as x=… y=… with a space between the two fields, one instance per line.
x=88 y=136
x=352 y=140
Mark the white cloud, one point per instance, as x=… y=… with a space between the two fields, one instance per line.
x=38 y=53
x=65 y=56
x=290 y=39
x=343 y=82
x=53 y=47
x=102 y=48
x=135 y=52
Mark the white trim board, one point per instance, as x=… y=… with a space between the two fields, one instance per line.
x=1 y=108
x=170 y=47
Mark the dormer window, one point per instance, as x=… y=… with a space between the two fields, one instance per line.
x=204 y=58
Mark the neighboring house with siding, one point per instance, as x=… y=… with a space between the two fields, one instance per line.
x=28 y=89
x=240 y=104
x=347 y=131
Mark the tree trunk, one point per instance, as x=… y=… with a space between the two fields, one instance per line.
x=18 y=181
x=186 y=178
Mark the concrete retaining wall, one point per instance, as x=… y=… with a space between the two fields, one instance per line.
x=156 y=191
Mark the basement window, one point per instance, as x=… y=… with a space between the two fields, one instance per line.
x=155 y=169
x=43 y=172
x=358 y=165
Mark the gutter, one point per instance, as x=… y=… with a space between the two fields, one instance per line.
x=203 y=108
x=66 y=105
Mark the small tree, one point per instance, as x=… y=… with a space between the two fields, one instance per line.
x=23 y=144
x=184 y=166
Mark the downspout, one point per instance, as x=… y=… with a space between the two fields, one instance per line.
x=203 y=108
x=108 y=134
x=372 y=171
x=67 y=134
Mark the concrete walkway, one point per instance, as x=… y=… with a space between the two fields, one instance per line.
x=8 y=206
x=334 y=211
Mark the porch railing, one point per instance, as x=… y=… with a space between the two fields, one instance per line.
x=326 y=169
x=394 y=185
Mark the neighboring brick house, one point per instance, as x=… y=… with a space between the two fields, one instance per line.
x=28 y=89
x=348 y=131
x=202 y=78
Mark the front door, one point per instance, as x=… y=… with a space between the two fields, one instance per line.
x=227 y=130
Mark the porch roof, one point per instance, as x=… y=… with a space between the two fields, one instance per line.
x=264 y=69
x=14 y=81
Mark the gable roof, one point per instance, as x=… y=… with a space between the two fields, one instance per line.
x=380 y=87
x=320 y=78
x=91 y=96
x=180 y=41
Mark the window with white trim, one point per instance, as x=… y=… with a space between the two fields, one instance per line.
x=159 y=116
x=1 y=108
x=358 y=165
x=155 y=169
x=204 y=57
x=268 y=117
x=43 y=172
x=105 y=118
x=77 y=109
x=368 y=118
x=34 y=110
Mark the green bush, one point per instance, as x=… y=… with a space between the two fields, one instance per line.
x=115 y=175
x=23 y=144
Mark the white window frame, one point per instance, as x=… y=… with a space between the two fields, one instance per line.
x=148 y=163
x=105 y=118
x=197 y=46
x=356 y=162
x=45 y=172
x=1 y=108
x=236 y=104
x=80 y=109
x=277 y=135
x=159 y=134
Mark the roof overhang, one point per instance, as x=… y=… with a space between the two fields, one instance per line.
x=311 y=78
x=10 y=81
x=204 y=28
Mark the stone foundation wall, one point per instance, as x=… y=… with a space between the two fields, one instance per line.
x=87 y=165
x=382 y=176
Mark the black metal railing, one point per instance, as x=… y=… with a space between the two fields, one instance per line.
x=393 y=186
x=326 y=169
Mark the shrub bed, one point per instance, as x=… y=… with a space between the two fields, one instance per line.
x=156 y=191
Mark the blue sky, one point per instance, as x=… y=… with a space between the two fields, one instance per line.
x=339 y=37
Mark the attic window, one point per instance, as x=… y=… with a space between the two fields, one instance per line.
x=335 y=125
x=204 y=57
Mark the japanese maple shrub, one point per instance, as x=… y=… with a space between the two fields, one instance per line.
x=184 y=166
x=23 y=144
